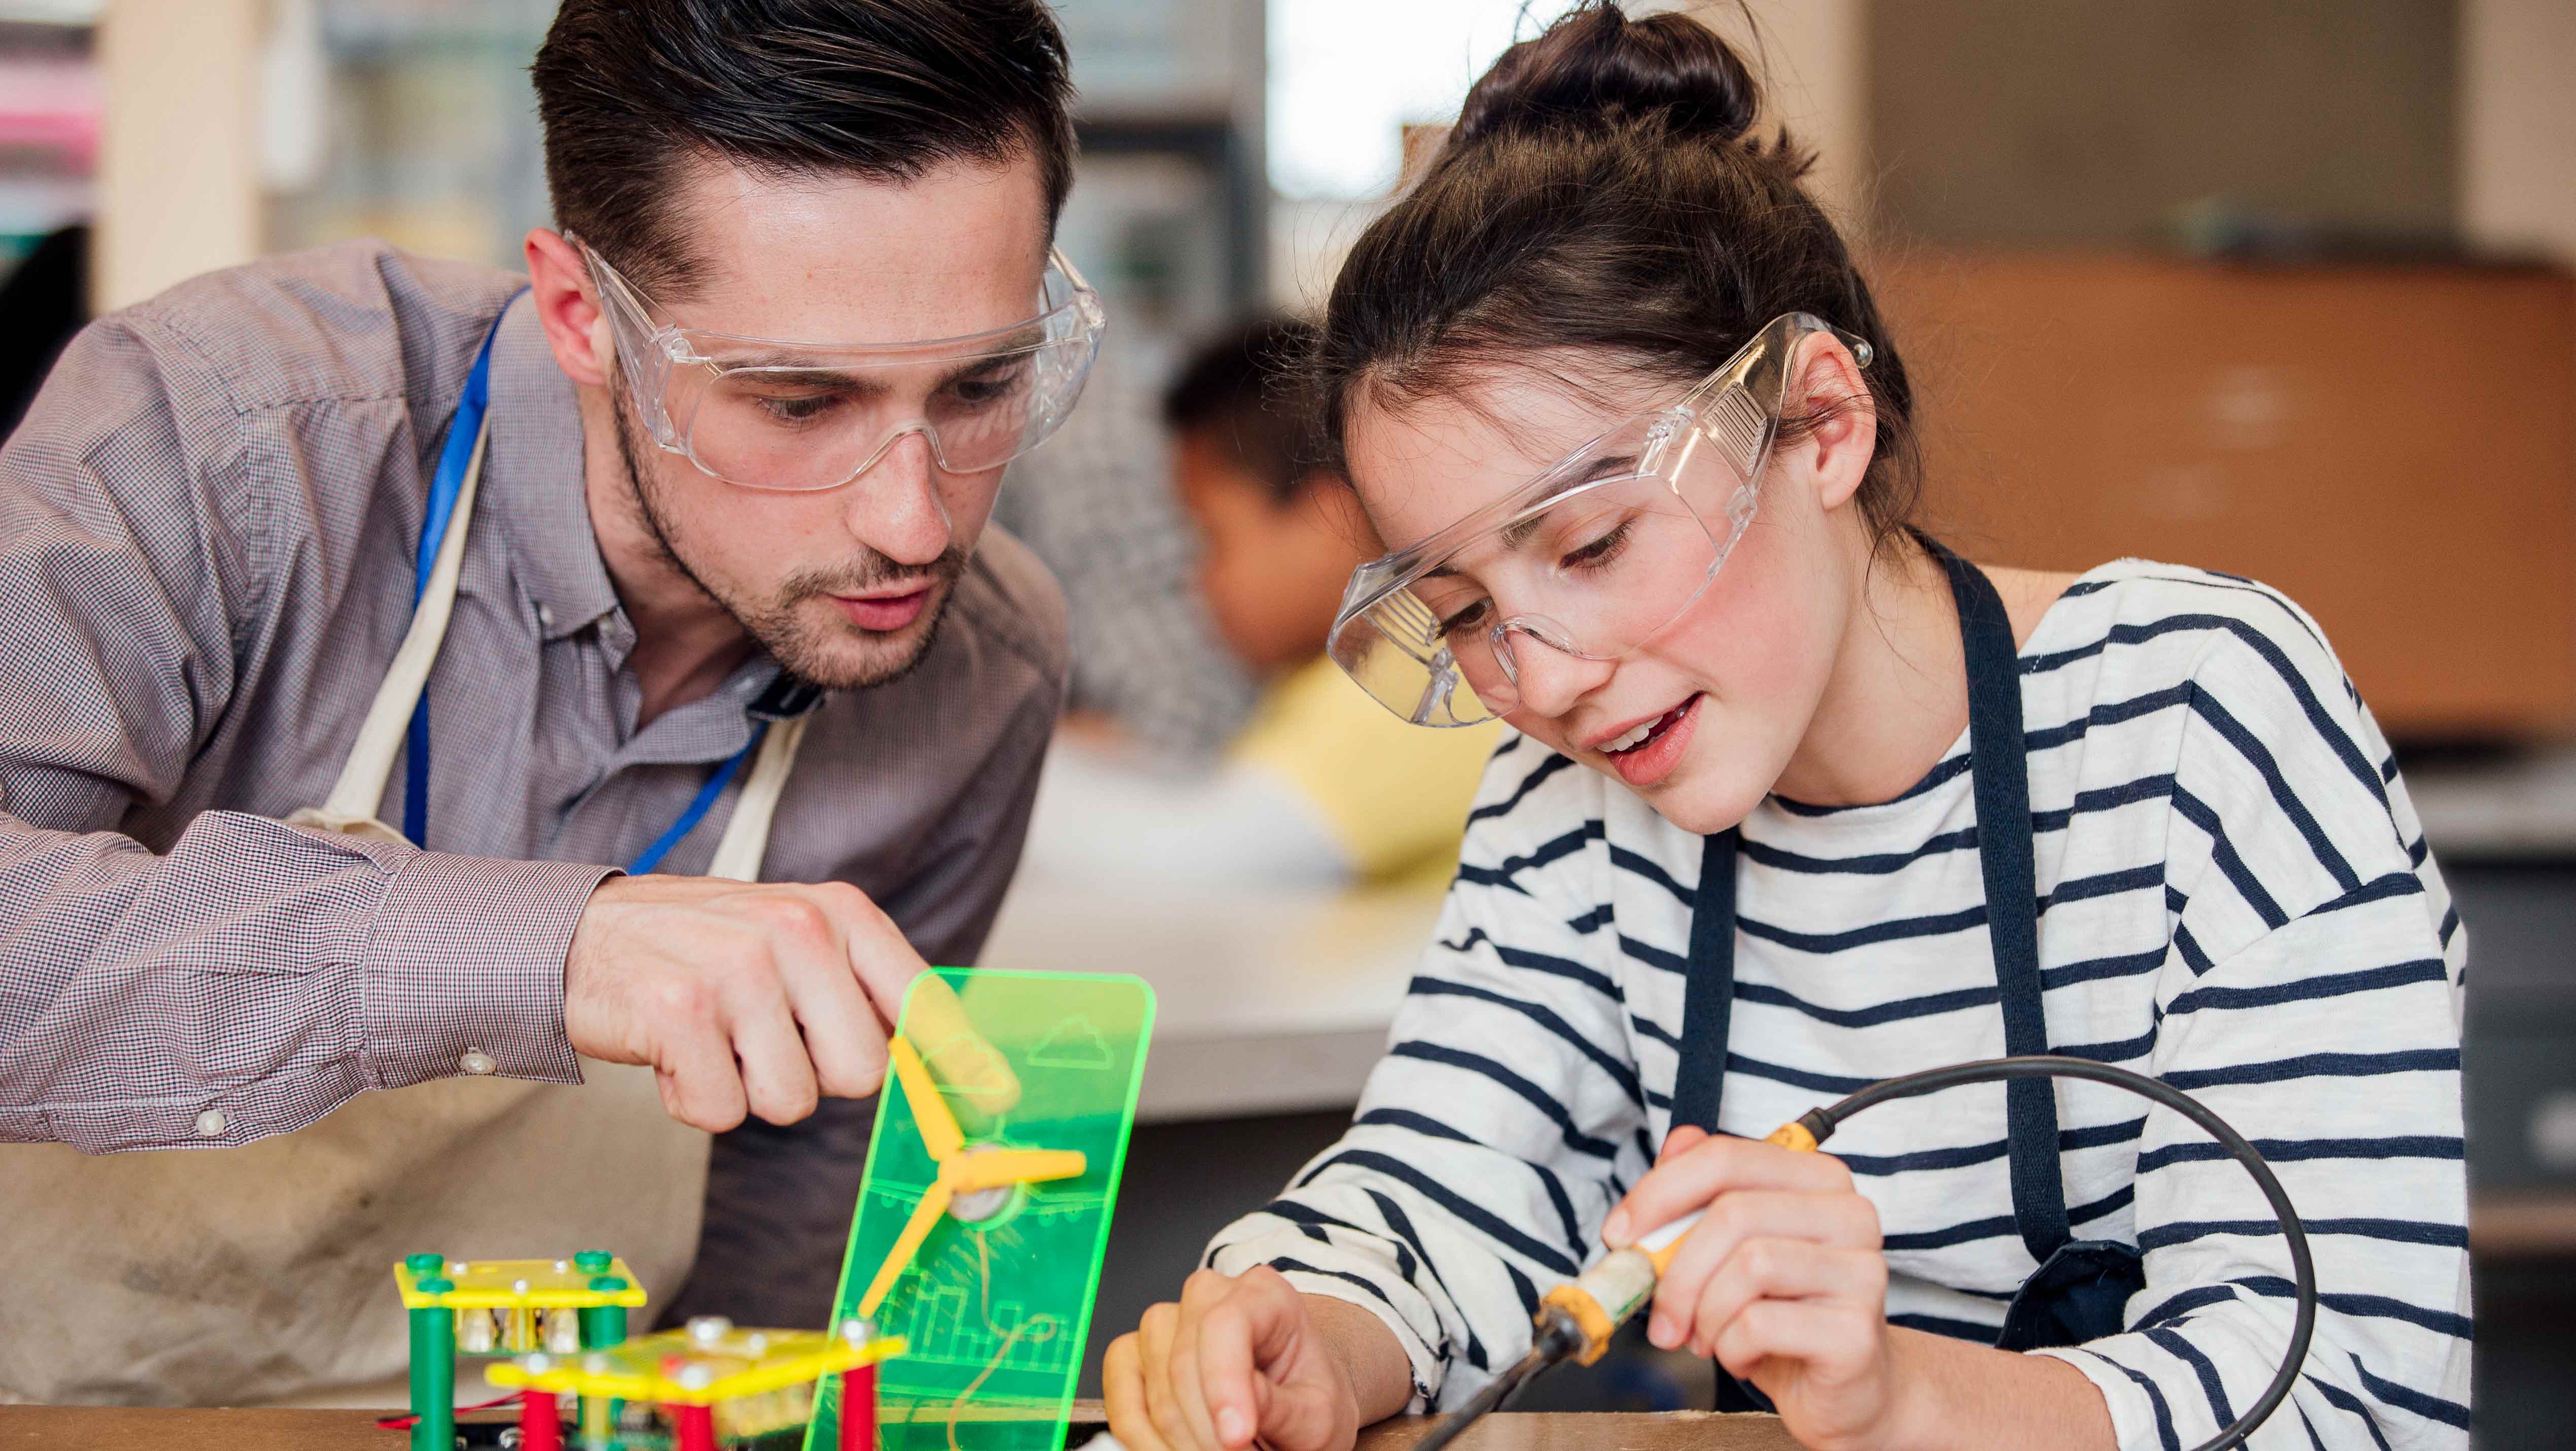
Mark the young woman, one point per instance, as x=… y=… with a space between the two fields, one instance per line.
x=1798 y=801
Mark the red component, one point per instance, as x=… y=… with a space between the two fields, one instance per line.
x=696 y=1425
x=859 y=1409
x=539 y=1427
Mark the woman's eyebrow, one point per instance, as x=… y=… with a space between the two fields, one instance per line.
x=1516 y=534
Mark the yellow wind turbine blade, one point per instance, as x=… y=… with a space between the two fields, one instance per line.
x=934 y=1203
x=939 y=1132
x=994 y=1168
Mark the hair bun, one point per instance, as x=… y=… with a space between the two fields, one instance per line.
x=1596 y=67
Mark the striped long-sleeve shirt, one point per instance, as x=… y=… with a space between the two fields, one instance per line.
x=2235 y=896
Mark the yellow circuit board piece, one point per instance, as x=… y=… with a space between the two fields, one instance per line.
x=519 y=1284
x=693 y=1367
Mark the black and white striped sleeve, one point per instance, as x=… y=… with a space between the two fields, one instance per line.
x=1506 y=1117
x=2311 y=998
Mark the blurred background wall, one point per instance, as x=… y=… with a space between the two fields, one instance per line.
x=2273 y=286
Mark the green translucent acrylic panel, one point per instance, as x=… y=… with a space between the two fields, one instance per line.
x=997 y=1312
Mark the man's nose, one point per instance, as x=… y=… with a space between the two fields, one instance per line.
x=895 y=507
x=1551 y=681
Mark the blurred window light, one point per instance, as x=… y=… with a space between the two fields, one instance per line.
x=1346 y=76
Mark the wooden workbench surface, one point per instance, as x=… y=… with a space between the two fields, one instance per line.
x=73 y=1428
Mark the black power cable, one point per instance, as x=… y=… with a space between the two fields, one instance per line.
x=1822 y=1123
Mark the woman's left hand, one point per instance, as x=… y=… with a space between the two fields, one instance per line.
x=1783 y=1281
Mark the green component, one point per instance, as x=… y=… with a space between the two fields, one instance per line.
x=424 y=1264
x=604 y=1325
x=601 y=1327
x=433 y=1373
x=593 y=1261
x=997 y=1310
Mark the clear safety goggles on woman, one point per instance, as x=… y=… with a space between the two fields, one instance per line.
x=1593 y=558
x=767 y=413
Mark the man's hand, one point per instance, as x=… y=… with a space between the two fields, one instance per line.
x=743 y=997
x=1246 y=1357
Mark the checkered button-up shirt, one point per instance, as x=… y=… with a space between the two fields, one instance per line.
x=207 y=525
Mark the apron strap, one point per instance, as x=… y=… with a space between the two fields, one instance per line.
x=1708 y=994
x=2001 y=779
x=745 y=842
x=2000 y=766
x=360 y=790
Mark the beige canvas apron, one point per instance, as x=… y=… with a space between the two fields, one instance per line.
x=264 y=1273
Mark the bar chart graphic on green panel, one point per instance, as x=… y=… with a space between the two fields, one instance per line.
x=999 y=1141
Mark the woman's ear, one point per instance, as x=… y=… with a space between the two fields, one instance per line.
x=576 y=327
x=1844 y=431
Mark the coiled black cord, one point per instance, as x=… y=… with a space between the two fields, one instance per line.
x=1822 y=1123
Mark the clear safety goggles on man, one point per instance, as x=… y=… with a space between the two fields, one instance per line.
x=767 y=413
x=1592 y=559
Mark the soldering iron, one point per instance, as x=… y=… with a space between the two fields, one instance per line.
x=1576 y=1319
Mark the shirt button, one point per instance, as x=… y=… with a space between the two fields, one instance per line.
x=546 y=616
x=211 y=1124
x=476 y=1062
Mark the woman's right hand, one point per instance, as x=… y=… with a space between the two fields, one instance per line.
x=1246 y=1357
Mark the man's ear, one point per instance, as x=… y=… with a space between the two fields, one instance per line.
x=576 y=328
x=1844 y=436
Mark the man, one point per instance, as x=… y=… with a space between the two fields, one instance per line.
x=671 y=565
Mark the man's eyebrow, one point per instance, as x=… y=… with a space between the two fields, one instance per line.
x=871 y=380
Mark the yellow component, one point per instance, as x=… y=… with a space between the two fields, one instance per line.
x=939 y=1131
x=934 y=1202
x=1588 y=1317
x=995 y=1168
x=1793 y=1135
x=517 y=1285
x=678 y=1368
x=961 y=1170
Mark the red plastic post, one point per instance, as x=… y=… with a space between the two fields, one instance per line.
x=859 y=1409
x=696 y=1425
x=540 y=1424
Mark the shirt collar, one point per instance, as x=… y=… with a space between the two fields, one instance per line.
x=532 y=474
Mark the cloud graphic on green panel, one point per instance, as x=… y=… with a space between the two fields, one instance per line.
x=1073 y=1043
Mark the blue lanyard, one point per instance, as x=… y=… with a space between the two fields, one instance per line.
x=445 y=486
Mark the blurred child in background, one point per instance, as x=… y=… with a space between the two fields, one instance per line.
x=1324 y=787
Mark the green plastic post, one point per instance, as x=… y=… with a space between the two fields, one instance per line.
x=433 y=1370
x=601 y=1327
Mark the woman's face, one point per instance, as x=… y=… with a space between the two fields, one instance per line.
x=1725 y=693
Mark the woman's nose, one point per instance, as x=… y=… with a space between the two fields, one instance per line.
x=1549 y=680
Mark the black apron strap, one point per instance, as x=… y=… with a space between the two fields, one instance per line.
x=1708 y=994
x=2001 y=771
x=2001 y=780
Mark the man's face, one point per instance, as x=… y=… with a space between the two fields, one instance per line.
x=844 y=586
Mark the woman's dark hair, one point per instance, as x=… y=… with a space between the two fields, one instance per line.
x=1604 y=192
x=629 y=91
x=1240 y=389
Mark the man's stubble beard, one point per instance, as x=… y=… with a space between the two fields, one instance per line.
x=798 y=646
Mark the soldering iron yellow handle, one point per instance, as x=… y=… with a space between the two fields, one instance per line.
x=1792 y=1135
x=1602 y=1298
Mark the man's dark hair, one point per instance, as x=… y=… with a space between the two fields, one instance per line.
x=630 y=91
x=1241 y=389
